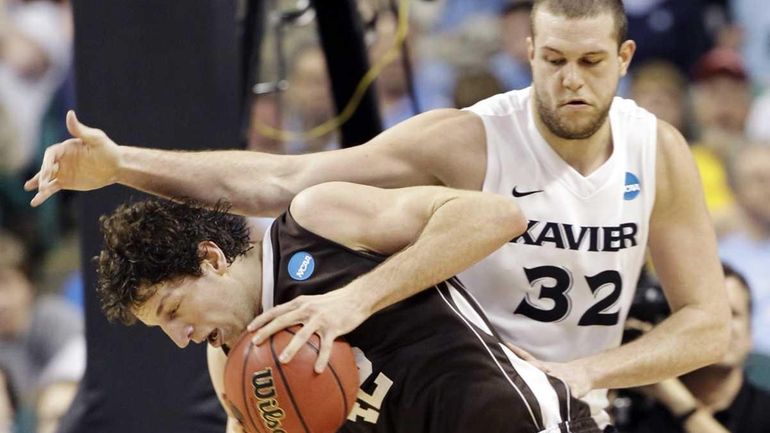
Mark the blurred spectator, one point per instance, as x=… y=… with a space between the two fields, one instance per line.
x=720 y=100
x=34 y=60
x=455 y=12
x=35 y=57
x=474 y=86
x=753 y=17
x=59 y=384
x=748 y=250
x=713 y=399
x=432 y=80
x=671 y=30
x=722 y=92
x=511 y=64
x=660 y=88
x=308 y=100
x=32 y=330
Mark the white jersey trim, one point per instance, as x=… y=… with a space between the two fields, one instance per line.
x=268 y=279
x=491 y=355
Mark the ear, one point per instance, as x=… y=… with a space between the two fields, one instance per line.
x=625 y=54
x=530 y=49
x=212 y=257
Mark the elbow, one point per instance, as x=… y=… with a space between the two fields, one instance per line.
x=518 y=221
x=512 y=219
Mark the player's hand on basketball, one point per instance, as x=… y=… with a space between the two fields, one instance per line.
x=87 y=161
x=330 y=315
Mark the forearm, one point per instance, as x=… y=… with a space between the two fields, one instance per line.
x=245 y=179
x=687 y=340
x=459 y=234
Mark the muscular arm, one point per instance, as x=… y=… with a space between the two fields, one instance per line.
x=683 y=248
x=440 y=147
x=432 y=232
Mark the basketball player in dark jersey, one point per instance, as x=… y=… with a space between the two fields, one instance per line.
x=429 y=363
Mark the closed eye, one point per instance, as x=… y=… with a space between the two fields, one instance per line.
x=590 y=62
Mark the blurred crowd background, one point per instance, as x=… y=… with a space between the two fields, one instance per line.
x=702 y=65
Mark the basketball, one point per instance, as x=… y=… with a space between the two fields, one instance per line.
x=269 y=397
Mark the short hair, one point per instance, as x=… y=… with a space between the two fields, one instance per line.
x=586 y=9
x=156 y=240
x=513 y=6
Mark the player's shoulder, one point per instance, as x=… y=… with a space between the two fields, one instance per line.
x=674 y=160
x=317 y=199
x=671 y=142
x=334 y=210
x=629 y=109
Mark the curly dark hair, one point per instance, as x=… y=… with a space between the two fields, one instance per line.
x=156 y=240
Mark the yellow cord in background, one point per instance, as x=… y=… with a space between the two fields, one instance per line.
x=355 y=100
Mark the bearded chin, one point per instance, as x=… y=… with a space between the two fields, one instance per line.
x=560 y=128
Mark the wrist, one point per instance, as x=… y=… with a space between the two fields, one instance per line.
x=364 y=301
x=125 y=163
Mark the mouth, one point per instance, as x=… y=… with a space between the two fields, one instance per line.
x=576 y=103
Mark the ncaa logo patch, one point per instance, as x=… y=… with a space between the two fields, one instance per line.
x=301 y=266
x=633 y=187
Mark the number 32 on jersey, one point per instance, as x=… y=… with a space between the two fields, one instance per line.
x=555 y=285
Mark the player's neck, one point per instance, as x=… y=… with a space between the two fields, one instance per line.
x=250 y=273
x=584 y=155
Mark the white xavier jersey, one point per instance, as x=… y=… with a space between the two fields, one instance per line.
x=563 y=289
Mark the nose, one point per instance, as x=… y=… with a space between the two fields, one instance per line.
x=180 y=334
x=571 y=78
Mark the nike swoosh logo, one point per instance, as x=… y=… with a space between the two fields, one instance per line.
x=525 y=193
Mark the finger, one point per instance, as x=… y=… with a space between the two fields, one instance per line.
x=76 y=128
x=521 y=353
x=45 y=168
x=73 y=126
x=281 y=322
x=32 y=183
x=299 y=339
x=45 y=193
x=266 y=316
x=324 y=353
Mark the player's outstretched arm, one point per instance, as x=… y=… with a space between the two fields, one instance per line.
x=439 y=147
x=431 y=233
x=684 y=250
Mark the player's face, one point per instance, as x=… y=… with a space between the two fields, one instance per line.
x=210 y=308
x=576 y=66
x=740 y=325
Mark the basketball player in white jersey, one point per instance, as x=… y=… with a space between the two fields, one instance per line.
x=599 y=178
